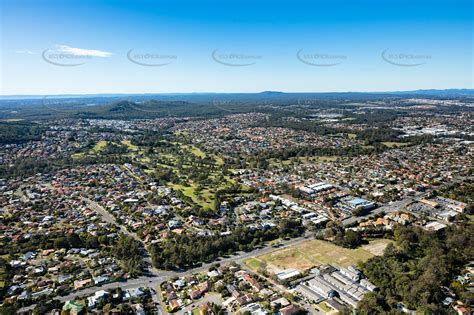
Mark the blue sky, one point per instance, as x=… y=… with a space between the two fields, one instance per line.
x=69 y=46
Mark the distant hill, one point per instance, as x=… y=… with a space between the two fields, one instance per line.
x=447 y=92
x=121 y=107
x=187 y=96
x=131 y=109
x=117 y=106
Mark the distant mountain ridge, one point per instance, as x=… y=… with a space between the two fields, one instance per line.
x=434 y=92
x=142 y=106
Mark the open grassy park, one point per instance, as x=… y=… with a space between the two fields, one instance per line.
x=204 y=198
x=200 y=173
x=315 y=252
x=97 y=148
x=101 y=145
x=182 y=159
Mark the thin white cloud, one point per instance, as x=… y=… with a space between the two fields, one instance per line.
x=29 y=52
x=83 y=52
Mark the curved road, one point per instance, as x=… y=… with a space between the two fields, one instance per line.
x=156 y=279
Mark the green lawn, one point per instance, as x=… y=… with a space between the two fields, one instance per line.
x=253 y=263
x=219 y=160
x=102 y=144
x=97 y=148
x=207 y=197
x=194 y=150
x=130 y=146
x=197 y=152
x=177 y=160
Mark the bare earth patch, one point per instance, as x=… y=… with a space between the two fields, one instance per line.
x=376 y=247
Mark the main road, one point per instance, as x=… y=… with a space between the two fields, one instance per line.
x=154 y=281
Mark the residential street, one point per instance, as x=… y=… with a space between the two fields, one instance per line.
x=109 y=218
x=154 y=281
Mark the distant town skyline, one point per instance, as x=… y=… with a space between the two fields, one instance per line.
x=89 y=47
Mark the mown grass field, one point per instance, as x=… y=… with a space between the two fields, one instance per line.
x=97 y=148
x=130 y=146
x=309 y=254
x=253 y=263
x=204 y=198
x=194 y=150
x=181 y=158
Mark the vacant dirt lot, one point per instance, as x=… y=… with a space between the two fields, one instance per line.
x=376 y=247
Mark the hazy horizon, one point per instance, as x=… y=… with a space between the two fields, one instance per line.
x=455 y=90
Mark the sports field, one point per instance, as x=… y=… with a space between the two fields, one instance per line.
x=315 y=252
